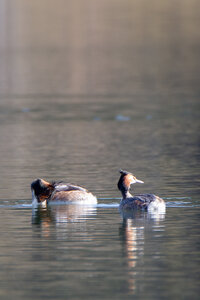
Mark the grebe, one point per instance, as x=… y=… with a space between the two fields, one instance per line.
x=44 y=192
x=148 y=202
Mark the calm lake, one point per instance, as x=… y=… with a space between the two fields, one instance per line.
x=86 y=88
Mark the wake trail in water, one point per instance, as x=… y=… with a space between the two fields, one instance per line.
x=114 y=203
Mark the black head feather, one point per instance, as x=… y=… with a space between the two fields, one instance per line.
x=40 y=188
x=123 y=172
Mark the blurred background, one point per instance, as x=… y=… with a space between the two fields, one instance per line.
x=89 y=48
x=88 y=87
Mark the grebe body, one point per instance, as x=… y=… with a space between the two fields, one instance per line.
x=148 y=202
x=44 y=192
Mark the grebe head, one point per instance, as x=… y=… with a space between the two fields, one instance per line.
x=41 y=190
x=125 y=181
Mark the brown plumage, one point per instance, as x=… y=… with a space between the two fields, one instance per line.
x=44 y=192
x=141 y=201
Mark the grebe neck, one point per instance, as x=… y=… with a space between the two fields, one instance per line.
x=124 y=187
x=126 y=193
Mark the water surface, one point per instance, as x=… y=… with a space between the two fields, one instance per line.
x=87 y=88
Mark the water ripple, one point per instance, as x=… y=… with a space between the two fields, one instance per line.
x=171 y=202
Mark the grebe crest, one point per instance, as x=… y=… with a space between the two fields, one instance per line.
x=125 y=181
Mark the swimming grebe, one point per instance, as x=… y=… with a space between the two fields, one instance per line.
x=44 y=192
x=148 y=202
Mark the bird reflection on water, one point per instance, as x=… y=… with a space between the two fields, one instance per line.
x=60 y=215
x=132 y=234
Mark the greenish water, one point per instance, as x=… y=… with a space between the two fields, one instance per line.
x=87 y=88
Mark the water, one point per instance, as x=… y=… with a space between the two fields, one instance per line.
x=87 y=88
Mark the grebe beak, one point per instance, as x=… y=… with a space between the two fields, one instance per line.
x=135 y=180
x=139 y=181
